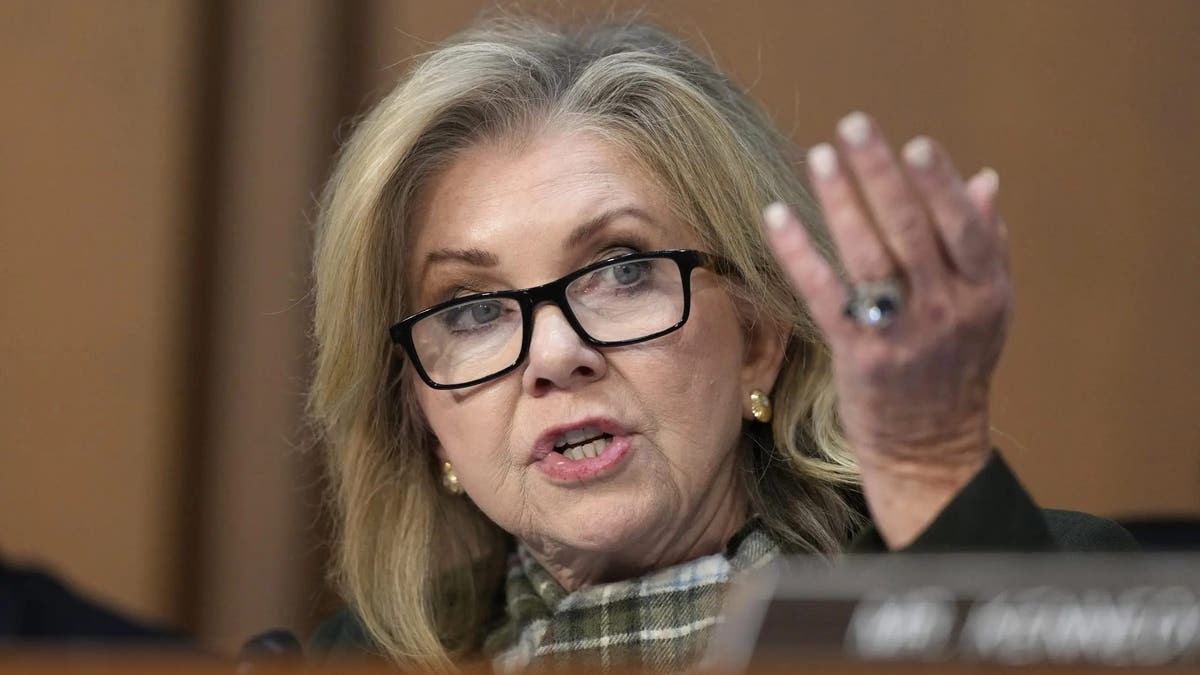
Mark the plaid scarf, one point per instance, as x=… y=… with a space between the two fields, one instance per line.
x=660 y=622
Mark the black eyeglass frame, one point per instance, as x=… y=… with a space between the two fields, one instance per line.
x=556 y=292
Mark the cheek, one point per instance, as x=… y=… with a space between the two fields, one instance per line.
x=698 y=394
x=471 y=430
x=714 y=344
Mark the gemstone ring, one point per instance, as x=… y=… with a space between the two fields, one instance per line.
x=875 y=305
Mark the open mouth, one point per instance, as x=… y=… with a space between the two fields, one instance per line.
x=582 y=443
x=584 y=451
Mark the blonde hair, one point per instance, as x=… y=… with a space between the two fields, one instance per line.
x=419 y=567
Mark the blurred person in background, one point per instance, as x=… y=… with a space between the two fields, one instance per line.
x=573 y=379
x=39 y=609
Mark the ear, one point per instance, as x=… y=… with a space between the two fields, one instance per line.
x=416 y=408
x=439 y=452
x=762 y=359
x=431 y=439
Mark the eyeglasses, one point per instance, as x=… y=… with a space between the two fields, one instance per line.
x=615 y=302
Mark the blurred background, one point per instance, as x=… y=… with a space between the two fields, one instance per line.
x=159 y=164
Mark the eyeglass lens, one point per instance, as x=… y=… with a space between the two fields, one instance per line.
x=624 y=301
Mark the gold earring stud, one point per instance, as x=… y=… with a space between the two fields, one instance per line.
x=760 y=406
x=450 y=479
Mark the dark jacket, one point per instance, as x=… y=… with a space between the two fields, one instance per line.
x=37 y=608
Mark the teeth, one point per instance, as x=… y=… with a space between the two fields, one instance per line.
x=576 y=435
x=586 y=450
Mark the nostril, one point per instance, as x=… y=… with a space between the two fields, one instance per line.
x=584 y=372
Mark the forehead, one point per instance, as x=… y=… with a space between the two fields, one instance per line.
x=514 y=200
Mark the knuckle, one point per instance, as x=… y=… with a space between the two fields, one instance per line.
x=969 y=236
x=875 y=164
x=999 y=300
x=983 y=310
x=842 y=207
x=967 y=227
x=937 y=314
x=871 y=263
x=906 y=218
x=876 y=362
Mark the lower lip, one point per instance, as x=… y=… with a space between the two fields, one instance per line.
x=560 y=468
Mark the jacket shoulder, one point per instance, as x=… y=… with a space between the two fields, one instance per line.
x=994 y=513
x=1085 y=533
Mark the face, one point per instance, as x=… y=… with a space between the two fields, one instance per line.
x=664 y=483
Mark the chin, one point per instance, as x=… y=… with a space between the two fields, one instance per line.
x=609 y=524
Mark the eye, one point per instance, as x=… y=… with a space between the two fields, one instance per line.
x=471 y=316
x=483 y=312
x=628 y=273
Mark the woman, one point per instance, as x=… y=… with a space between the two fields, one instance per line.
x=608 y=387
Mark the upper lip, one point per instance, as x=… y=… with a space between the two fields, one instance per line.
x=545 y=442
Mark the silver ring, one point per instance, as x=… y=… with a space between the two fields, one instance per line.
x=875 y=305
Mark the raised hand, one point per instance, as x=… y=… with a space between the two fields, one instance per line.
x=913 y=388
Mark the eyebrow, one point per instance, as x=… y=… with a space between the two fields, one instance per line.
x=582 y=233
x=593 y=226
x=472 y=256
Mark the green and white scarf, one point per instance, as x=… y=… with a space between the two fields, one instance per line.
x=660 y=623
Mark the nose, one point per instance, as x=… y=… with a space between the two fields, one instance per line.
x=558 y=356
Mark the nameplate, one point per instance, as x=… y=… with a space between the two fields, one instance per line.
x=1113 y=610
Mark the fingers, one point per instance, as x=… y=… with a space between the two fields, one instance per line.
x=915 y=219
x=863 y=254
x=817 y=282
x=962 y=218
x=899 y=213
x=921 y=218
x=982 y=189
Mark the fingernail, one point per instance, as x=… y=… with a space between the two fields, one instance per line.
x=855 y=128
x=919 y=152
x=823 y=160
x=989 y=180
x=776 y=216
x=985 y=183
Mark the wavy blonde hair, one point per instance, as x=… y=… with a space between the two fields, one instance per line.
x=419 y=567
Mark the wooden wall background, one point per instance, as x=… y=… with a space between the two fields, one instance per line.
x=158 y=170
